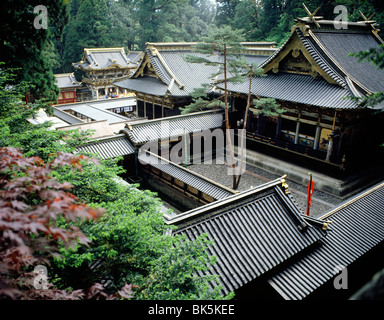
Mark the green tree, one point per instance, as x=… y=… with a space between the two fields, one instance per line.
x=223 y=49
x=89 y=28
x=25 y=47
x=225 y=12
x=247 y=18
x=16 y=131
x=33 y=207
x=170 y=20
x=130 y=243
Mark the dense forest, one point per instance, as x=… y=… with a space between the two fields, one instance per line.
x=132 y=23
x=76 y=24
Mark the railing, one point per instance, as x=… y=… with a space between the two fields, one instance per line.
x=295 y=148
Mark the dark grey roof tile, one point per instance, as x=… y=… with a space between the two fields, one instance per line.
x=298 y=88
x=149 y=130
x=357 y=227
x=253 y=232
x=110 y=147
x=187 y=176
x=339 y=45
x=66 y=80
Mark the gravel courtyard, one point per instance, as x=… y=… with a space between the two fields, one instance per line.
x=253 y=176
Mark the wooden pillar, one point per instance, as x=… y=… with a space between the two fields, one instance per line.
x=317 y=137
x=278 y=128
x=145 y=108
x=258 y=123
x=330 y=144
x=330 y=147
x=297 y=132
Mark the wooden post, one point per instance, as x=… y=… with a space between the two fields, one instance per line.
x=317 y=137
x=297 y=132
x=330 y=143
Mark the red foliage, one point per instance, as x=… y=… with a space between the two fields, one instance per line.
x=31 y=202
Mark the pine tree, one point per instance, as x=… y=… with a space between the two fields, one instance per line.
x=221 y=48
x=224 y=45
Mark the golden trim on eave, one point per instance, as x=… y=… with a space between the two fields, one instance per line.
x=294 y=43
x=87 y=50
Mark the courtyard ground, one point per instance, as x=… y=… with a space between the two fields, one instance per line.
x=253 y=176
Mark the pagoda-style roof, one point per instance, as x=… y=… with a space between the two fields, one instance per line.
x=106 y=58
x=66 y=81
x=357 y=228
x=253 y=232
x=316 y=59
x=164 y=71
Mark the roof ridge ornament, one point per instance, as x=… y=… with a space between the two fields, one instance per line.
x=312 y=16
x=369 y=21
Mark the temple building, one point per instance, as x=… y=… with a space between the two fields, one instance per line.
x=103 y=66
x=313 y=77
x=68 y=86
x=164 y=81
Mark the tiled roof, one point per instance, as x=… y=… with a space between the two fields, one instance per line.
x=189 y=177
x=357 y=227
x=109 y=147
x=330 y=48
x=176 y=76
x=253 y=232
x=66 y=80
x=337 y=46
x=65 y=116
x=102 y=58
x=320 y=60
x=98 y=114
x=97 y=110
x=149 y=130
x=147 y=85
x=297 y=88
x=135 y=56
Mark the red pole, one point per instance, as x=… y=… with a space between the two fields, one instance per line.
x=311 y=185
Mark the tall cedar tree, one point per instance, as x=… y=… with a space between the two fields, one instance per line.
x=23 y=46
x=89 y=28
